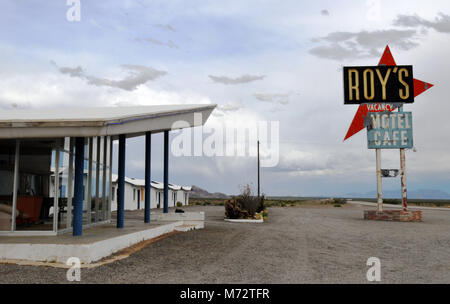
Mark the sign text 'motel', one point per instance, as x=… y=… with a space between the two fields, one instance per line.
x=369 y=84
x=389 y=130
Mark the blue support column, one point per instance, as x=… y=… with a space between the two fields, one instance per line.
x=121 y=182
x=166 y=171
x=78 y=187
x=148 y=157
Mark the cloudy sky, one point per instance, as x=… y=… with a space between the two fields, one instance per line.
x=258 y=61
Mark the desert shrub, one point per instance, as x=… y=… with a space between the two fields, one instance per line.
x=179 y=204
x=392 y=201
x=335 y=201
x=261 y=206
x=244 y=206
x=233 y=210
x=248 y=202
x=340 y=201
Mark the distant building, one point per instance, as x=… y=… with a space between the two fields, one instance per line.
x=135 y=194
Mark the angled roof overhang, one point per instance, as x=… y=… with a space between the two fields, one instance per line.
x=106 y=121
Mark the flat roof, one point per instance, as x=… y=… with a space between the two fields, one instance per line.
x=157 y=185
x=100 y=121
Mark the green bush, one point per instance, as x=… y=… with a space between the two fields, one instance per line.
x=179 y=204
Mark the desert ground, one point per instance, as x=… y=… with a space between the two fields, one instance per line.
x=302 y=244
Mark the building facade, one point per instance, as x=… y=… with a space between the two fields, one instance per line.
x=55 y=165
x=135 y=194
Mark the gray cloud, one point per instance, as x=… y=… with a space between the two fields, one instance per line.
x=441 y=23
x=242 y=79
x=166 y=27
x=324 y=12
x=302 y=162
x=169 y=43
x=222 y=109
x=351 y=45
x=231 y=106
x=72 y=72
x=138 y=74
x=270 y=97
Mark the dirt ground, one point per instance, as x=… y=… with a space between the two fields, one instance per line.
x=311 y=244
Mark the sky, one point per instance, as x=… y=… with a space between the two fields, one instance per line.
x=273 y=61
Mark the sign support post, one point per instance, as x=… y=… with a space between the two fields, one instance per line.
x=403 y=173
x=403 y=179
x=379 y=182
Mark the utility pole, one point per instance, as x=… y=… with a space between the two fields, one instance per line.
x=258 y=173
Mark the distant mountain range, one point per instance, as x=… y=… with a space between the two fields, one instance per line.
x=198 y=192
x=415 y=194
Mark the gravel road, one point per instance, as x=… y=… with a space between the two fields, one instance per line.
x=312 y=244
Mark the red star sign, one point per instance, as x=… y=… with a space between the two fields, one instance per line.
x=358 y=121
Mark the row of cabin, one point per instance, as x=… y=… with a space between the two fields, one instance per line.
x=135 y=194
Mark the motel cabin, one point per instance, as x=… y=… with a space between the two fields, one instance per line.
x=56 y=166
x=135 y=194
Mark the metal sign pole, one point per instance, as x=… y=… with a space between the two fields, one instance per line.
x=403 y=179
x=403 y=173
x=258 y=173
x=379 y=185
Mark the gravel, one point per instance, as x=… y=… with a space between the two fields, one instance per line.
x=311 y=244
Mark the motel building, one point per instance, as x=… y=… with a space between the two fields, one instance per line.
x=55 y=167
x=135 y=194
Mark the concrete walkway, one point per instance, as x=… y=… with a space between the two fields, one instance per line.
x=96 y=242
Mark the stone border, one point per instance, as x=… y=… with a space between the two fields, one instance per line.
x=244 y=220
x=393 y=215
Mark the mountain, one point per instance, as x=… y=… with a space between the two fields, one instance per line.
x=413 y=194
x=198 y=192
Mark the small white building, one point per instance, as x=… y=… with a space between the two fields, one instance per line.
x=135 y=194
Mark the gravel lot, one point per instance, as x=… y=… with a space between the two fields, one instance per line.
x=310 y=244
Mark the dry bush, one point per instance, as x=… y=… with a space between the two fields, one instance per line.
x=233 y=210
x=244 y=206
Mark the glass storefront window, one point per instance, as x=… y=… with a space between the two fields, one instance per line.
x=45 y=177
x=35 y=200
x=7 y=164
x=93 y=185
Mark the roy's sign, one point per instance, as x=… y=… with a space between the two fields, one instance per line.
x=370 y=84
x=389 y=130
